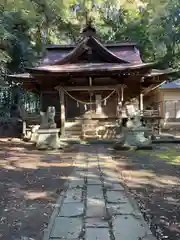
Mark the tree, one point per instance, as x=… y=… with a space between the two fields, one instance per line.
x=28 y=25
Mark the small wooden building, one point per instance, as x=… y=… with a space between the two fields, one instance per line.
x=167 y=98
x=89 y=79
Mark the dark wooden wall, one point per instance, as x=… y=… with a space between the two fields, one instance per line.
x=73 y=108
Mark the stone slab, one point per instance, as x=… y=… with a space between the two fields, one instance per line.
x=116 y=197
x=96 y=222
x=93 y=172
x=66 y=228
x=71 y=210
x=92 y=161
x=128 y=228
x=95 y=192
x=76 y=182
x=113 y=186
x=73 y=195
x=81 y=169
x=79 y=174
x=97 y=234
x=80 y=164
x=111 y=180
x=94 y=181
x=96 y=208
x=93 y=178
x=69 y=222
x=122 y=208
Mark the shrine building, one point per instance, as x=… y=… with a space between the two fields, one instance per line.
x=87 y=81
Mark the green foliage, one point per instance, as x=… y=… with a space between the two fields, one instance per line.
x=16 y=48
x=27 y=25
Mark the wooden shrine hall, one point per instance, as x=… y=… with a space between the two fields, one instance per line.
x=89 y=79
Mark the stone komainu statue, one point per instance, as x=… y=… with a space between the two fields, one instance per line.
x=48 y=118
x=51 y=112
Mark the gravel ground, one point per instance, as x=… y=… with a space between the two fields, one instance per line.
x=30 y=182
x=153 y=178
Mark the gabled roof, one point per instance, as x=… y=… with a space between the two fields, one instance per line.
x=91 y=50
x=91 y=58
x=94 y=50
x=118 y=52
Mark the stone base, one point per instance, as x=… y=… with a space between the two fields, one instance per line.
x=145 y=147
x=136 y=138
x=34 y=134
x=48 y=139
x=119 y=146
x=164 y=136
x=63 y=145
x=125 y=147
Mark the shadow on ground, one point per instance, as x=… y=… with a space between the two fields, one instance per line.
x=153 y=178
x=30 y=183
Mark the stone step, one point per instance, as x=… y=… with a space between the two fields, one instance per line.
x=72 y=135
x=73 y=127
x=73 y=130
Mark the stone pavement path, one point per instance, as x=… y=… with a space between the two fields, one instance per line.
x=95 y=206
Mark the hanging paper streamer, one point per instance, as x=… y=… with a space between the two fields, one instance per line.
x=85 y=107
x=122 y=93
x=77 y=104
x=104 y=102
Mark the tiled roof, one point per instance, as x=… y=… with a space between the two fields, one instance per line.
x=171 y=85
x=126 y=52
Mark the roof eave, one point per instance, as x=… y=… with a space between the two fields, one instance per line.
x=122 y=69
x=21 y=75
x=157 y=72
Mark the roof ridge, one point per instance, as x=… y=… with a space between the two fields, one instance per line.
x=109 y=44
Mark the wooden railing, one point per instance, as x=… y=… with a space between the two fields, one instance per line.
x=150 y=113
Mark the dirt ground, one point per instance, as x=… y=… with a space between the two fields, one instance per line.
x=30 y=182
x=153 y=178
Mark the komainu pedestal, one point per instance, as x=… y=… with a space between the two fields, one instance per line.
x=48 y=134
x=48 y=139
x=134 y=135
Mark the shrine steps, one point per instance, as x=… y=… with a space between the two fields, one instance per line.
x=90 y=129
x=73 y=129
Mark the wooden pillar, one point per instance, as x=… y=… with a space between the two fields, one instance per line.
x=62 y=106
x=24 y=128
x=122 y=93
x=141 y=103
